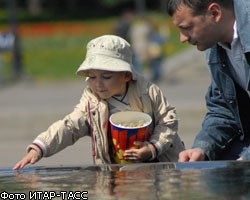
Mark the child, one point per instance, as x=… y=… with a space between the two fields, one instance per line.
x=113 y=86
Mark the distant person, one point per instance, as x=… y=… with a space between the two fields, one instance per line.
x=221 y=27
x=9 y=42
x=123 y=25
x=156 y=56
x=113 y=86
x=139 y=34
x=123 y=29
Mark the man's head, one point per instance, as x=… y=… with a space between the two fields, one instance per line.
x=198 y=7
x=203 y=22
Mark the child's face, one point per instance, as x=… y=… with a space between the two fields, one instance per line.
x=107 y=84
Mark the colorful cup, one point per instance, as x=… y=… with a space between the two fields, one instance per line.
x=127 y=127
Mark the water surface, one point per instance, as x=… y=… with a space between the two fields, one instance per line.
x=201 y=180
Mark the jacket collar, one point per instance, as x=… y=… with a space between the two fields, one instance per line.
x=242 y=15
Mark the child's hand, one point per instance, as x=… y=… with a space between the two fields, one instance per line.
x=31 y=157
x=141 y=154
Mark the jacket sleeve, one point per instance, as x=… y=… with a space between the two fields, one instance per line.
x=165 y=135
x=219 y=127
x=62 y=133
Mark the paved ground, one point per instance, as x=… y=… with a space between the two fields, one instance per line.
x=29 y=107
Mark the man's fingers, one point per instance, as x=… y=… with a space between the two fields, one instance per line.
x=183 y=156
x=195 y=156
x=191 y=155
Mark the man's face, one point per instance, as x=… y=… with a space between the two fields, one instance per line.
x=199 y=30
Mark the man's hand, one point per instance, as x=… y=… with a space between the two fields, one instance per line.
x=240 y=159
x=192 y=155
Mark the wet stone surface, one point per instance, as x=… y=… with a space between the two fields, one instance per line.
x=201 y=180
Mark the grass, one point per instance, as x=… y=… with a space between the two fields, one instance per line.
x=55 y=57
x=54 y=51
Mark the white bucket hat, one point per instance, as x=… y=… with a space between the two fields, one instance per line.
x=107 y=52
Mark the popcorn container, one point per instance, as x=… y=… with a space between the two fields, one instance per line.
x=127 y=127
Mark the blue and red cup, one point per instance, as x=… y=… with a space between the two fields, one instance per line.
x=127 y=127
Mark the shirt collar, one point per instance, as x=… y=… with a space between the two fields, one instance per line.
x=235 y=36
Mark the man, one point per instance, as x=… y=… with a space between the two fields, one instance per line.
x=222 y=28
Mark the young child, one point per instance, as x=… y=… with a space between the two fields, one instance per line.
x=113 y=86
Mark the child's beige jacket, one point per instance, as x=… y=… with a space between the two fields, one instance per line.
x=90 y=118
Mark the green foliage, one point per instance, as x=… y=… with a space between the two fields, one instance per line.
x=58 y=55
x=54 y=57
x=110 y=3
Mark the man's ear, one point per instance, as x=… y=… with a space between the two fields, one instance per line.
x=215 y=10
